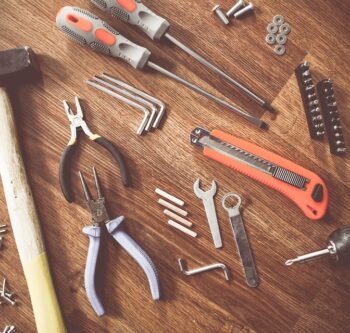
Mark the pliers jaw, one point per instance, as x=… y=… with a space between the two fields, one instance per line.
x=76 y=121
x=96 y=207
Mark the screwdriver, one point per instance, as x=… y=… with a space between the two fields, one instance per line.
x=338 y=248
x=156 y=27
x=88 y=30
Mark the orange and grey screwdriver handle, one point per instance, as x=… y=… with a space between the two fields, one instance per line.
x=88 y=30
x=234 y=152
x=135 y=13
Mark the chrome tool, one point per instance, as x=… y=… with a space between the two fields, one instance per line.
x=211 y=267
x=153 y=108
x=88 y=30
x=99 y=216
x=156 y=27
x=77 y=122
x=241 y=239
x=338 y=248
x=303 y=187
x=209 y=206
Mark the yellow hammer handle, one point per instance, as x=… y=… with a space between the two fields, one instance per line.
x=26 y=226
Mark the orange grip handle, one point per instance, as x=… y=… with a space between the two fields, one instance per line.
x=302 y=198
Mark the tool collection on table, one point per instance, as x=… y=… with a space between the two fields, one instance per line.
x=303 y=187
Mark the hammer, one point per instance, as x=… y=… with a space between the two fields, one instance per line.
x=18 y=65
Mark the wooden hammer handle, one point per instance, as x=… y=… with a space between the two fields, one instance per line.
x=26 y=226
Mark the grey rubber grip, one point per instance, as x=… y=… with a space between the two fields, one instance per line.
x=135 y=13
x=88 y=30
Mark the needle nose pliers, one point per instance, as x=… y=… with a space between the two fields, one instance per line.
x=100 y=216
x=77 y=122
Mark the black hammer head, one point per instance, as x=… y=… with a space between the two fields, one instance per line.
x=17 y=65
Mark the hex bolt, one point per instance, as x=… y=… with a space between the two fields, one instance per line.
x=244 y=10
x=238 y=5
x=218 y=11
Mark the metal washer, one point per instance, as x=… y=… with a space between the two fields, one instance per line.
x=280 y=50
x=272 y=28
x=281 y=39
x=285 y=29
x=270 y=39
x=278 y=19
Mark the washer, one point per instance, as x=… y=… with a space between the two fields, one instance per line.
x=270 y=39
x=280 y=50
x=281 y=39
x=278 y=19
x=272 y=28
x=285 y=29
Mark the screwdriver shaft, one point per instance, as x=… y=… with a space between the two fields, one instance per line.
x=309 y=256
x=217 y=70
x=199 y=90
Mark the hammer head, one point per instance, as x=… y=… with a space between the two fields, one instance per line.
x=17 y=65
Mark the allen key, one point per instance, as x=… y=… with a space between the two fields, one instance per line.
x=141 y=93
x=211 y=267
x=133 y=97
x=126 y=100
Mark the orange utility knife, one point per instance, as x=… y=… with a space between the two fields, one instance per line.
x=300 y=185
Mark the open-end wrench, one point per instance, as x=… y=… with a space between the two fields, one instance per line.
x=209 y=206
x=241 y=238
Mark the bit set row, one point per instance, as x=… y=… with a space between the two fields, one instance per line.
x=277 y=33
x=321 y=109
x=310 y=100
x=331 y=116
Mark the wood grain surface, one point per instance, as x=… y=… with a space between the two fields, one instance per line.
x=313 y=297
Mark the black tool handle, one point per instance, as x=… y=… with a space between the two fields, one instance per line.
x=117 y=156
x=64 y=172
x=341 y=241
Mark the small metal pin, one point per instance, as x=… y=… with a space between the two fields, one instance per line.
x=238 y=5
x=244 y=10
x=218 y=11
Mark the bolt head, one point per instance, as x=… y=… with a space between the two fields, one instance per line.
x=216 y=7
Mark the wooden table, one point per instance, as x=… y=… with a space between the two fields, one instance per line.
x=314 y=297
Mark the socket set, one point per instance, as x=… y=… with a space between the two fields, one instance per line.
x=312 y=108
x=331 y=116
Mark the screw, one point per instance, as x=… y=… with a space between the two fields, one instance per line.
x=217 y=10
x=245 y=9
x=239 y=4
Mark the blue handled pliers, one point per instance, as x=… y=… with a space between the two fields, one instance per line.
x=100 y=216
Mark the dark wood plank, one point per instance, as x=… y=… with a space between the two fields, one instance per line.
x=305 y=298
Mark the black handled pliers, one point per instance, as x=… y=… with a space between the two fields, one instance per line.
x=77 y=122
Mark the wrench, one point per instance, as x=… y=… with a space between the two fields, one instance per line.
x=209 y=206
x=242 y=242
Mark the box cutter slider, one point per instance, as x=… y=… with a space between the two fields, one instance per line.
x=77 y=122
x=99 y=217
x=306 y=189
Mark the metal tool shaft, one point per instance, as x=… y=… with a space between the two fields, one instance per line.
x=252 y=119
x=217 y=70
x=309 y=256
x=244 y=250
x=241 y=239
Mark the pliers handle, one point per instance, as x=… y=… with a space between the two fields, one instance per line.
x=77 y=122
x=140 y=256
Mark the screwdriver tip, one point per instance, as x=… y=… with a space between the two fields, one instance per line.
x=289 y=262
